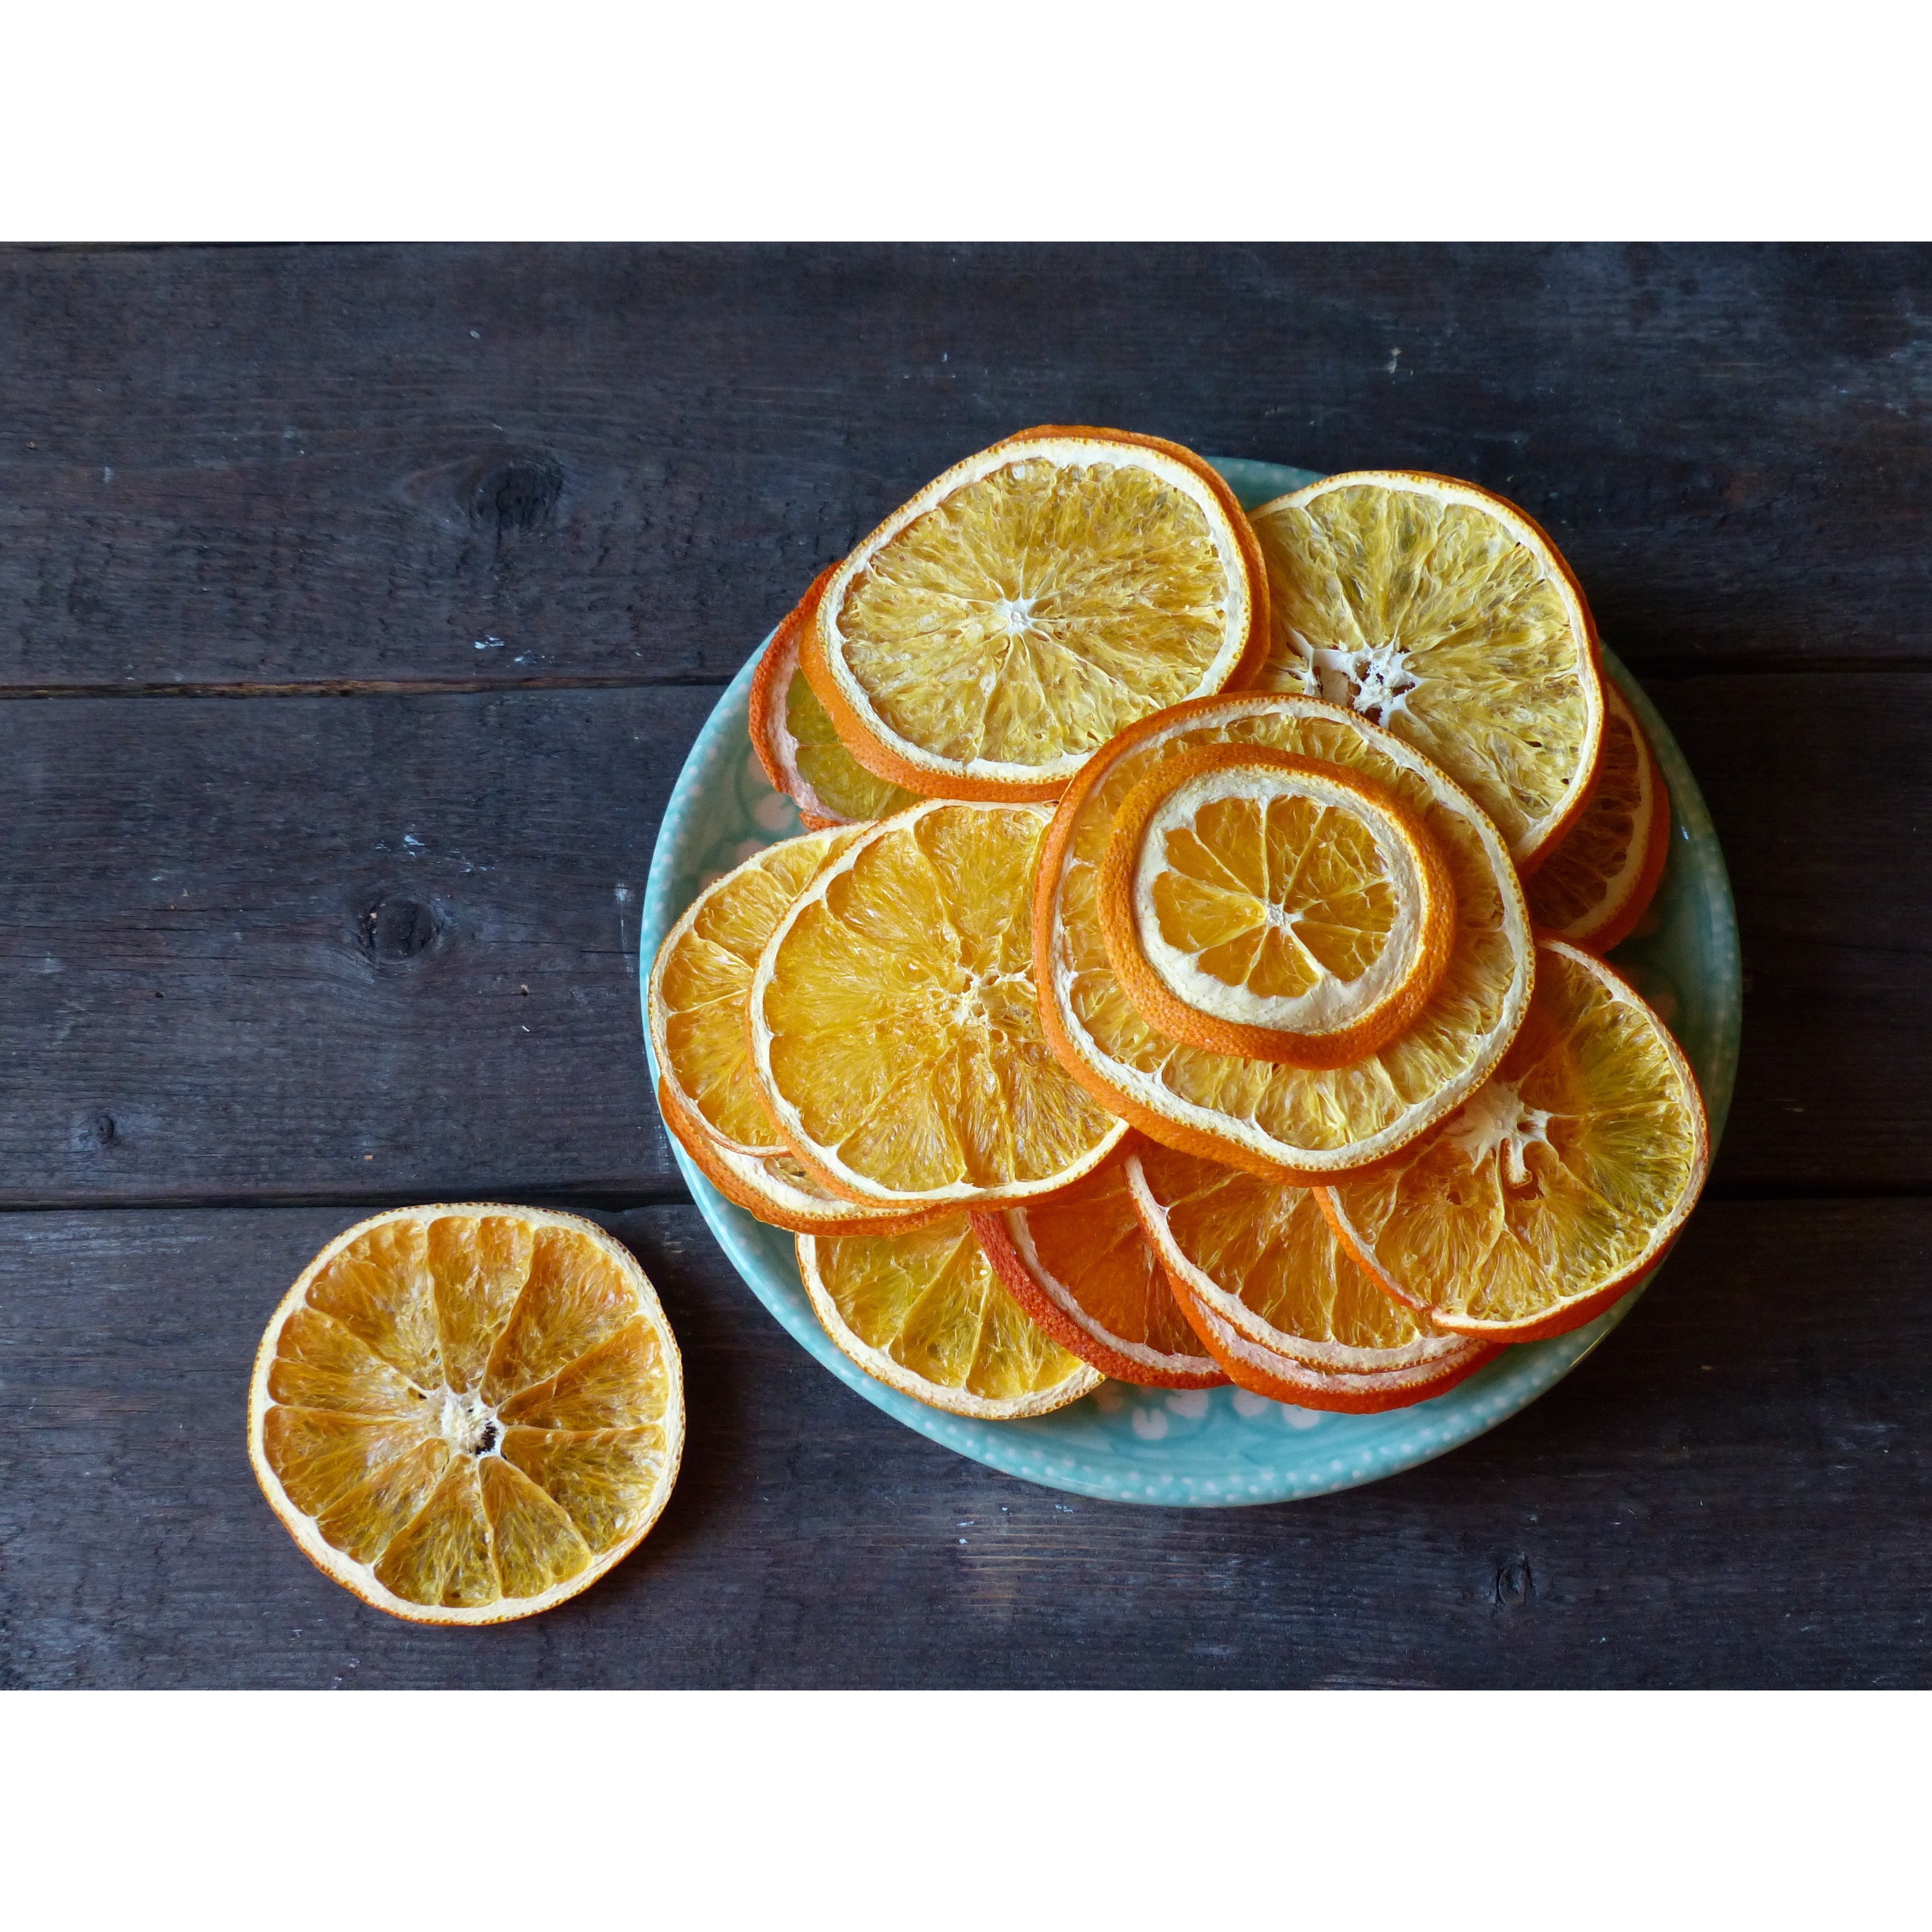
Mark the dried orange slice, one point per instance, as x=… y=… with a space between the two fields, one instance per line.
x=465 y=1414
x=895 y=1031
x=924 y=1312
x=1288 y=1124
x=1258 y=903
x=1558 y=1186
x=1439 y=610
x=795 y=741
x=778 y=1188
x=700 y=980
x=1079 y=1264
x=1258 y=1269
x=1601 y=877
x=1001 y=627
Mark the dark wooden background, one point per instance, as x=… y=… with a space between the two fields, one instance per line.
x=357 y=607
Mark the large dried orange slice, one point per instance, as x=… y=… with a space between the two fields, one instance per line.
x=1559 y=1185
x=895 y=1031
x=1259 y=1272
x=1079 y=1264
x=796 y=745
x=924 y=1312
x=1439 y=610
x=700 y=980
x=1287 y=1123
x=1258 y=903
x=1004 y=624
x=1602 y=874
x=778 y=1188
x=468 y=1414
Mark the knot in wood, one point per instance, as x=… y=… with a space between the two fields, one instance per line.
x=1515 y=1586
x=396 y=928
x=516 y=493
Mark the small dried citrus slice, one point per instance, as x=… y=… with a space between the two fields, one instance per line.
x=1558 y=1186
x=1259 y=904
x=1001 y=626
x=1441 y=611
x=1287 y=1123
x=796 y=745
x=895 y=1031
x=1601 y=877
x=924 y=1312
x=778 y=1188
x=701 y=978
x=1079 y=1264
x=1255 y=1262
x=465 y=1414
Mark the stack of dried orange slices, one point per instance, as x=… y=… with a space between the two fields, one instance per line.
x=1193 y=974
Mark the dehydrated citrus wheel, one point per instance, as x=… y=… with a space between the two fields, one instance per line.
x=1559 y=1186
x=1258 y=903
x=925 y=1313
x=1004 y=624
x=777 y=1188
x=1079 y=1264
x=1289 y=1123
x=1601 y=877
x=796 y=745
x=1441 y=611
x=701 y=978
x=896 y=1034
x=467 y=1414
x=1258 y=1271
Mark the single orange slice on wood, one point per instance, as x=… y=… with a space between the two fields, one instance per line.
x=795 y=741
x=996 y=630
x=467 y=1415
x=1079 y=1264
x=924 y=1312
x=701 y=979
x=895 y=1031
x=1277 y=1299
x=1556 y=1188
x=1286 y=1123
x=1260 y=904
x=1599 y=880
x=1442 y=612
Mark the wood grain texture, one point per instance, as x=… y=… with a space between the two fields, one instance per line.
x=1735 y=1489
x=315 y=467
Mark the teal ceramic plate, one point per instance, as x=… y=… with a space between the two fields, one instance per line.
x=1221 y=1446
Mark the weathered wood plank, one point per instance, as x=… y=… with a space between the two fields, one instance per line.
x=333 y=466
x=199 y=1008
x=1734 y=1490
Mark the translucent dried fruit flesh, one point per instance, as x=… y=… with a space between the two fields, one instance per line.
x=703 y=977
x=460 y=1413
x=896 y=1032
x=924 y=1311
x=1291 y=1123
x=836 y=777
x=1444 y=614
x=1558 y=1184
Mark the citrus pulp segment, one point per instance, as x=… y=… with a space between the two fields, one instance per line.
x=796 y=745
x=895 y=1031
x=1259 y=1272
x=1079 y=1264
x=1441 y=611
x=465 y=1414
x=1273 y=907
x=778 y=1188
x=1600 y=877
x=699 y=981
x=1558 y=1185
x=1005 y=623
x=924 y=1312
x=1286 y=1122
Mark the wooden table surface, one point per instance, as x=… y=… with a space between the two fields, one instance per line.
x=357 y=608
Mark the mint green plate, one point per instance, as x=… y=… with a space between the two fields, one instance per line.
x=1219 y=1446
